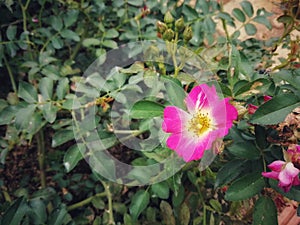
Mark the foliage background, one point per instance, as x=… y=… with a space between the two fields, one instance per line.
x=46 y=45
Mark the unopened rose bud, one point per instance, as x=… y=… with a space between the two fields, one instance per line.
x=161 y=27
x=12 y=98
x=168 y=35
x=187 y=34
x=168 y=18
x=179 y=24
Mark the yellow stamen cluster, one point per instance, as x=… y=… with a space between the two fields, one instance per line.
x=200 y=123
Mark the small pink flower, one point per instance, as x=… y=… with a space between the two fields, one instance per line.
x=267 y=98
x=252 y=109
x=293 y=154
x=285 y=172
x=207 y=118
x=35 y=20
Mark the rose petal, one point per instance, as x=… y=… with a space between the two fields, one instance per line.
x=174 y=119
x=276 y=165
x=189 y=147
x=287 y=175
x=267 y=98
x=284 y=187
x=252 y=108
x=223 y=114
x=200 y=97
x=273 y=175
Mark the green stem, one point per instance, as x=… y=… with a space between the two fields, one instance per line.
x=41 y=156
x=111 y=220
x=24 y=9
x=85 y=201
x=224 y=25
x=11 y=76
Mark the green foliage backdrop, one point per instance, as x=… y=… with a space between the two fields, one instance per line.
x=45 y=47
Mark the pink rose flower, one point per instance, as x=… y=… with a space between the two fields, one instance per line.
x=207 y=118
x=285 y=172
x=252 y=109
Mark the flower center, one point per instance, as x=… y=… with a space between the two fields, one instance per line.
x=199 y=124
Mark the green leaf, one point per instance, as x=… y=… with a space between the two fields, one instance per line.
x=61 y=137
x=59 y=216
x=247 y=8
x=69 y=34
x=23 y=117
x=110 y=44
x=247 y=89
x=184 y=214
x=15 y=213
x=135 y=2
x=111 y=33
x=71 y=17
x=209 y=25
x=286 y=19
x=275 y=110
x=161 y=190
x=167 y=213
x=134 y=68
x=27 y=92
x=244 y=150
x=57 y=42
x=35 y=124
x=265 y=212
x=216 y=205
x=245 y=187
x=229 y=172
x=72 y=157
x=46 y=88
x=62 y=88
x=146 y=109
x=173 y=89
x=7 y=114
x=235 y=59
x=49 y=111
x=56 y=23
x=263 y=20
x=38 y=210
x=90 y=42
x=139 y=202
x=292 y=77
x=250 y=29
x=261 y=137
x=237 y=13
x=11 y=32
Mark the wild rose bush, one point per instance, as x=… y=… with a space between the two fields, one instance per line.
x=216 y=122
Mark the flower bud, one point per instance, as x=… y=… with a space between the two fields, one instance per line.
x=168 y=18
x=12 y=98
x=187 y=33
x=168 y=35
x=179 y=24
x=161 y=27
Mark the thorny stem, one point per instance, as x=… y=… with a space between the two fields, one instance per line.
x=11 y=76
x=24 y=9
x=225 y=28
x=110 y=205
x=40 y=138
x=41 y=156
x=85 y=201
